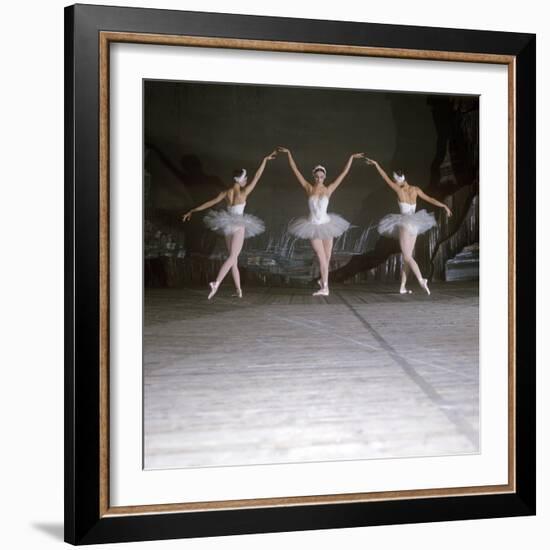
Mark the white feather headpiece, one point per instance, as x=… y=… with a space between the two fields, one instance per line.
x=398 y=178
x=241 y=178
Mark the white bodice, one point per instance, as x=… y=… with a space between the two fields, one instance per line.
x=318 y=209
x=406 y=208
x=236 y=209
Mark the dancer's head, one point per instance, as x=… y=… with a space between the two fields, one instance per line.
x=399 y=177
x=319 y=174
x=239 y=176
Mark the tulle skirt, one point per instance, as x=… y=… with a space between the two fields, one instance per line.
x=303 y=228
x=416 y=223
x=227 y=223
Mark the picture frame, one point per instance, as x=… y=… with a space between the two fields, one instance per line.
x=89 y=33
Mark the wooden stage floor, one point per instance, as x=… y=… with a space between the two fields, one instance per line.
x=280 y=376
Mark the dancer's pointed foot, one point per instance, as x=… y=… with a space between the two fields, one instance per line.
x=238 y=293
x=424 y=285
x=322 y=292
x=213 y=289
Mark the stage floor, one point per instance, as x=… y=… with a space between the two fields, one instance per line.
x=280 y=376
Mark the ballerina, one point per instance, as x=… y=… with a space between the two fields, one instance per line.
x=233 y=223
x=320 y=228
x=407 y=225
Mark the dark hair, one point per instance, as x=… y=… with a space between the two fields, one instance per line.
x=399 y=172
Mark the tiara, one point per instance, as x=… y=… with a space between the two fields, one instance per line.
x=319 y=167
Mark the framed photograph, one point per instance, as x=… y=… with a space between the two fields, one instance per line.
x=300 y=280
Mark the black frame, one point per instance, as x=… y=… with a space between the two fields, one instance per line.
x=83 y=524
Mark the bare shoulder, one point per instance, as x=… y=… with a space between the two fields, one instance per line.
x=308 y=188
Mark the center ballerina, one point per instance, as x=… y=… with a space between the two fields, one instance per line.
x=320 y=227
x=319 y=224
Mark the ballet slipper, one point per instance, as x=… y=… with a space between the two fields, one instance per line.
x=322 y=292
x=424 y=285
x=238 y=293
x=405 y=291
x=213 y=289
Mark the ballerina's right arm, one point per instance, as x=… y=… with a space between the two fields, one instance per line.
x=207 y=204
x=301 y=180
x=385 y=176
x=433 y=201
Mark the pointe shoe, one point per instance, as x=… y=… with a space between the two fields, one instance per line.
x=238 y=293
x=213 y=289
x=424 y=285
x=322 y=292
x=405 y=291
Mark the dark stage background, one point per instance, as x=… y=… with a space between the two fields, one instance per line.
x=195 y=134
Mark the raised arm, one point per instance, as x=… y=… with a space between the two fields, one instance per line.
x=250 y=187
x=207 y=204
x=332 y=187
x=433 y=201
x=301 y=180
x=385 y=176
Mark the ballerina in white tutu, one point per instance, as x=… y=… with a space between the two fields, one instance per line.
x=407 y=225
x=233 y=223
x=320 y=227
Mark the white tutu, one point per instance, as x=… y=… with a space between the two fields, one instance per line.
x=415 y=223
x=226 y=222
x=319 y=225
x=306 y=229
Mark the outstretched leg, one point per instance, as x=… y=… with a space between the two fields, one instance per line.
x=235 y=247
x=407 y=242
x=319 y=249
x=234 y=269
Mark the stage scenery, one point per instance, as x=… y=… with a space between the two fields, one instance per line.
x=311 y=263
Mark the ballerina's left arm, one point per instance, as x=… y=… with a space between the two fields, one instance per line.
x=433 y=201
x=332 y=187
x=250 y=187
